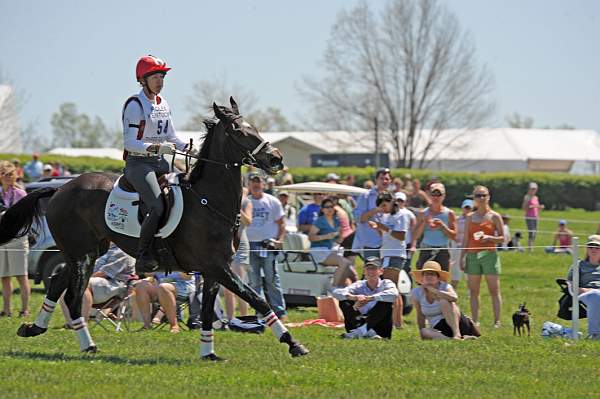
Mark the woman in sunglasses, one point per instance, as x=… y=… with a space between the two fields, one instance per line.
x=484 y=229
x=324 y=235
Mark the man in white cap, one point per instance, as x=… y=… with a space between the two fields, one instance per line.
x=367 y=304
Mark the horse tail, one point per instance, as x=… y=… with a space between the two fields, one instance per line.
x=17 y=220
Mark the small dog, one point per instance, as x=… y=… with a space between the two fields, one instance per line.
x=520 y=320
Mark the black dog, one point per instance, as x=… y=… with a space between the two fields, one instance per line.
x=520 y=320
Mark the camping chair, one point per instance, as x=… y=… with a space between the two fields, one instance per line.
x=181 y=305
x=565 y=303
x=121 y=303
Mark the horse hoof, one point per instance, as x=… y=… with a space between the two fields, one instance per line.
x=91 y=349
x=30 y=330
x=298 y=350
x=213 y=358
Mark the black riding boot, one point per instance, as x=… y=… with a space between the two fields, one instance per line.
x=145 y=262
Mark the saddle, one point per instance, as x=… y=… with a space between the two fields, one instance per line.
x=124 y=212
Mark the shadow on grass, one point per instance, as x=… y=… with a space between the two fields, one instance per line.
x=53 y=357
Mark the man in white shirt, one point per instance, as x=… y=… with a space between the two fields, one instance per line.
x=367 y=304
x=265 y=234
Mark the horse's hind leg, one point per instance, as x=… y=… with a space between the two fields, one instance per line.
x=58 y=284
x=73 y=298
x=234 y=284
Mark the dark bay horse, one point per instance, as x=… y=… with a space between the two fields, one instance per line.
x=201 y=243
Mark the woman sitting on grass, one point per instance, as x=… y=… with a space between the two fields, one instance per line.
x=564 y=238
x=589 y=284
x=435 y=301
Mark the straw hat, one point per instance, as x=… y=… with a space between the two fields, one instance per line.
x=430 y=266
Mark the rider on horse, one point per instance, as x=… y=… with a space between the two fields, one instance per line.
x=148 y=135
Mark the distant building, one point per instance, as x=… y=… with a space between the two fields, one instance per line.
x=10 y=133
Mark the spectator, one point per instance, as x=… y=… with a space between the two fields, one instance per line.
x=13 y=254
x=564 y=238
x=34 y=168
x=457 y=244
x=531 y=206
x=323 y=235
x=589 y=284
x=437 y=225
x=435 y=301
x=265 y=234
x=19 y=170
x=411 y=223
x=241 y=259
x=270 y=188
x=367 y=304
x=109 y=279
x=289 y=211
x=507 y=236
x=368 y=184
x=417 y=198
x=165 y=288
x=332 y=178
x=397 y=185
x=47 y=171
x=365 y=238
x=483 y=231
x=407 y=183
x=308 y=213
x=350 y=180
x=392 y=225
x=347 y=203
x=57 y=169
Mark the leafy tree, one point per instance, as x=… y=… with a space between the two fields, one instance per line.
x=73 y=129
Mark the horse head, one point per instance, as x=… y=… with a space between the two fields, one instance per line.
x=245 y=138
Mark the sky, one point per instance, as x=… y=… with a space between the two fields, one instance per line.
x=543 y=55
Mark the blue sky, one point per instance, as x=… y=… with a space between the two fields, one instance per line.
x=543 y=54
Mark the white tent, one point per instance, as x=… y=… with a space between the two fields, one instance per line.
x=10 y=135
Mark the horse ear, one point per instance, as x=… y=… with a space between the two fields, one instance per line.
x=218 y=113
x=234 y=106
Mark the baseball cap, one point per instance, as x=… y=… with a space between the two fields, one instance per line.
x=562 y=222
x=256 y=176
x=47 y=167
x=593 y=241
x=533 y=185
x=270 y=180
x=400 y=196
x=332 y=176
x=373 y=261
x=467 y=202
x=437 y=187
x=284 y=193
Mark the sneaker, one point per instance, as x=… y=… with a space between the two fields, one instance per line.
x=371 y=334
x=497 y=324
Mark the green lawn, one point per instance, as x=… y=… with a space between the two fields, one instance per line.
x=158 y=364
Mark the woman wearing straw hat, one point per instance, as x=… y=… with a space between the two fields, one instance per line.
x=435 y=301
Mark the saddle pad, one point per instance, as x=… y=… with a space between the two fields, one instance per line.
x=121 y=210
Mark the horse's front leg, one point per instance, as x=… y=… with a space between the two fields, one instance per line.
x=210 y=289
x=234 y=284
x=59 y=282
x=73 y=298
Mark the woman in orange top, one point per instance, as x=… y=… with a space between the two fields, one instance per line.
x=483 y=230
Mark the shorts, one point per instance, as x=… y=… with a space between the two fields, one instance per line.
x=368 y=252
x=532 y=224
x=394 y=261
x=14 y=262
x=465 y=325
x=483 y=262
x=104 y=289
x=441 y=256
x=242 y=256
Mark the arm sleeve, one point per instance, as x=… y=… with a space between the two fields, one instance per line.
x=361 y=207
x=400 y=222
x=389 y=293
x=340 y=293
x=133 y=127
x=173 y=138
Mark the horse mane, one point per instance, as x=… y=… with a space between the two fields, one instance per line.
x=196 y=172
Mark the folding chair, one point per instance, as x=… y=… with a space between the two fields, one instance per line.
x=181 y=304
x=122 y=304
x=565 y=303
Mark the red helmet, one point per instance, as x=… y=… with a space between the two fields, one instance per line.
x=149 y=64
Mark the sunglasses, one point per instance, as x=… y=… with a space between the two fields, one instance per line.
x=436 y=194
x=327 y=207
x=480 y=195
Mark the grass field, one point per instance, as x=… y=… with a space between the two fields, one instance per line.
x=158 y=364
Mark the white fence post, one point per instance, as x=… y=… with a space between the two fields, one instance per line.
x=575 y=307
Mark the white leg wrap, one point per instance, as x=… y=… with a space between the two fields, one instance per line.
x=207 y=342
x=275 y=324
x=43 y=318
x=81 y=329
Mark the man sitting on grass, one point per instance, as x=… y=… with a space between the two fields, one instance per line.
x=367 y=304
